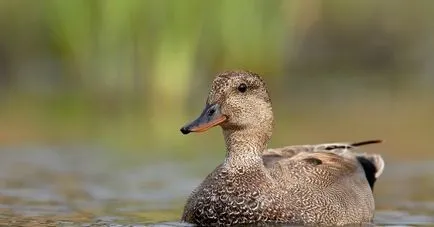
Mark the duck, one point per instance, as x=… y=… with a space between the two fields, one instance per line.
x=319 y=184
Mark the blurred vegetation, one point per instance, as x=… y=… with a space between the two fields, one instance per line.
x=130 y=73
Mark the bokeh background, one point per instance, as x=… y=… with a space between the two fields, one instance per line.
x=99 y=80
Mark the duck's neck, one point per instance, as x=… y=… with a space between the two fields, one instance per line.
x=244 y=148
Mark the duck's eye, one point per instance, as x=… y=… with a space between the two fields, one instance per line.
x=242 y=88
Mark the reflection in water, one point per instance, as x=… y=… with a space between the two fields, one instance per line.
x=86 y=186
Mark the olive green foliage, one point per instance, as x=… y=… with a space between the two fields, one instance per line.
x=130 y=73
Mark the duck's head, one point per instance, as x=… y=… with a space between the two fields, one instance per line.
x=238 y=101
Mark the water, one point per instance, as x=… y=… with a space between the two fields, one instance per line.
x=92 y=187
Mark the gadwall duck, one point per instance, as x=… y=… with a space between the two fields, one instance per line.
x=324 y=184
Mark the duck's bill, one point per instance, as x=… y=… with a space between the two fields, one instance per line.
x=210 y=117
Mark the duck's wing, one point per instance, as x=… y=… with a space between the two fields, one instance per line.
x=338 y=148
x=341 y=157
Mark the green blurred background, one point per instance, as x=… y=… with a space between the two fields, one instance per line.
x=126 y=75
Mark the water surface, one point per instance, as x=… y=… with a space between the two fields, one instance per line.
x=85 y=186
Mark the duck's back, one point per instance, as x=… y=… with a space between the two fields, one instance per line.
x=325 y=188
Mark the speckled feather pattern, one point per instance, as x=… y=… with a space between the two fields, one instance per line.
x=321 y=184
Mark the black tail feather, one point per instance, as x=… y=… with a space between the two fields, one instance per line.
x=370 y=170
x=362 y=143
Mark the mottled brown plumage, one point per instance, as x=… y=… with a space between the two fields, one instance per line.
x=325 y=184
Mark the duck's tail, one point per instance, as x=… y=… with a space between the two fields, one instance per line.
x=366 y=142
